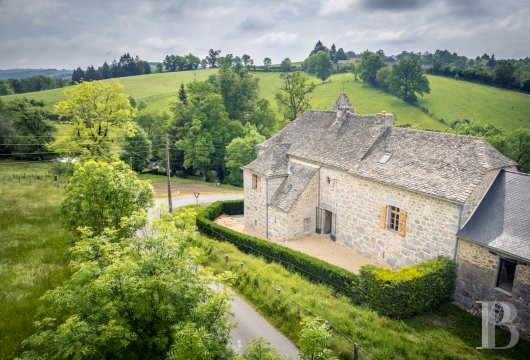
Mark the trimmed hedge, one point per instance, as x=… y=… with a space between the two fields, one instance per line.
x=410 y=290
x=311 y=268
x=394 y=293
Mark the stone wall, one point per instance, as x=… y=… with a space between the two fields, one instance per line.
x=287 y=226
x=256 y=200
x=476 y=280
x=431 y=224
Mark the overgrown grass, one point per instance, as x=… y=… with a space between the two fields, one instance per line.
x=33 y=248
x=450 y=333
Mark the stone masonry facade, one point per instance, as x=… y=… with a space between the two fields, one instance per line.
x=476 y=281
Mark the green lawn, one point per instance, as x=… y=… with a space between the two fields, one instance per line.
x=33 y=248
x=449 y=99
x=452 y=99
x=449 y=333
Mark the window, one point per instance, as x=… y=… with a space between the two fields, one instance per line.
x=255 y=181
x=506 y=275
x=393 y=218
x=307 y=226
x=393 y=221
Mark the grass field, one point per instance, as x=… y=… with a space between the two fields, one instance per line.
x=450 y=333
x=33 y=248
x=449 y=99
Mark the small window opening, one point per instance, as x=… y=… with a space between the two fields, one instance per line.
x=506 y=275
x=384 y=159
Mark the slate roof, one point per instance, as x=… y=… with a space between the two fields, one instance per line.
x=502 y=219
x=342 y=103
x=285 y=197
x=443 y=165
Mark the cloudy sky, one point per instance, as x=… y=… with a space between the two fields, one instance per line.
x=70 y=33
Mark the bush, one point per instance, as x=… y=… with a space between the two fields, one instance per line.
x=408 y=291
x=395 y=293
x=313 y=269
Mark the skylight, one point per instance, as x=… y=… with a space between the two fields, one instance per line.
x=384 y=159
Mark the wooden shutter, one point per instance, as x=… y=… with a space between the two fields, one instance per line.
x=382 y=217
x=402 y=222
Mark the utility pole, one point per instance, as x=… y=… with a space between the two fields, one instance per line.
x=168 y=170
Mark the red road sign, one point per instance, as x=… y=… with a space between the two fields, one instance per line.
x=196 y=194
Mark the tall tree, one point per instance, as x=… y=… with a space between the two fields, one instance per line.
x=100 y=113
x=182 y=95
x=213 y=57
x=503 y=72
x=318 y=47
x=294 y=97
x=370 y=63
x=241 y=151
x=137 y=151
x=319 y=64
x=267 y=62
x=407 y=80
x=286 y=64
x=246 y=60
x=332 y=52
x=340 y=55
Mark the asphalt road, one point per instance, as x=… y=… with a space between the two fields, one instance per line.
x=250 y=324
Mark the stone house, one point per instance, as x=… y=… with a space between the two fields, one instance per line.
x=493 y=251
x=393 y=194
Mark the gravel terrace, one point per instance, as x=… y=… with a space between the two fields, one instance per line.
x=314 y=245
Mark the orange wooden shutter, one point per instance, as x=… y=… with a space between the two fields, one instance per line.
x=402 y=222
x=382 y=218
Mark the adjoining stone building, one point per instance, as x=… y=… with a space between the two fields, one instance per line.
x=393 y=194
x=493 y=252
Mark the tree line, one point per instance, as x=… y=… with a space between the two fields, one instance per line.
x=127 y=65
x=31 y=84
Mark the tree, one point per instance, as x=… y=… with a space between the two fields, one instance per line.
x=286 y=64
x=332 y=52
x=294 y=96
x=159 y=68
x=340 y=55
x=5 y=88
x=369 y=65
x=137 y=151
x=134 y=298
x=319 y=47
x=264 y=119
x=31 y=127
x=319 y=64
x=246 y=60
x=314 y=340
x=105 y=71
x=382 y=77
x=407 y=79
x=518 y=147
x=154 y=123
x=100 y=194
x=213 y=57
x=182 y=95
x=267 y=62
x=100 y=112
x=241 y=151
x=504 y=72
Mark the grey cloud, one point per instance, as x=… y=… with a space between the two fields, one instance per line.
x=252 y=24
x=392 y=4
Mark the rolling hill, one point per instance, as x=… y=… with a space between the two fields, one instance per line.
x=449 y=99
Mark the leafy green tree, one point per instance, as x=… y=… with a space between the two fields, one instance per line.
x=293 y=99
x=319 y=47
x=407 y=80
x=100 y=112
x=332 y=52
x=241 y=151
x=154 y=124
x=159 y=68
x=5 y=88
x=213 y=57
x=192 y=62
x=264 y=119
x=340 y=55
x=503 y=72
x=137 y=151
x=382 y=77
x=314 y=340
x=319 y=64
x=100 y=194
x=246 y=60
x=261 y=349
x=134 y=298
x=286 y=64
x=370 y=63
x=31 y=127
x=518 y=147
x=267 y=62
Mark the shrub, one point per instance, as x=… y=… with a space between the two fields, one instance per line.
x=408 y=291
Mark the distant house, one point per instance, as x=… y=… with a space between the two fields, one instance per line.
x=493 y=251
x=345 y=63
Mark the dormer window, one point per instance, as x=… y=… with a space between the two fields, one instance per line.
x=384 y=159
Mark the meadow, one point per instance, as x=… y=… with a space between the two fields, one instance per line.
x=449 y=99
x=34 y=247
